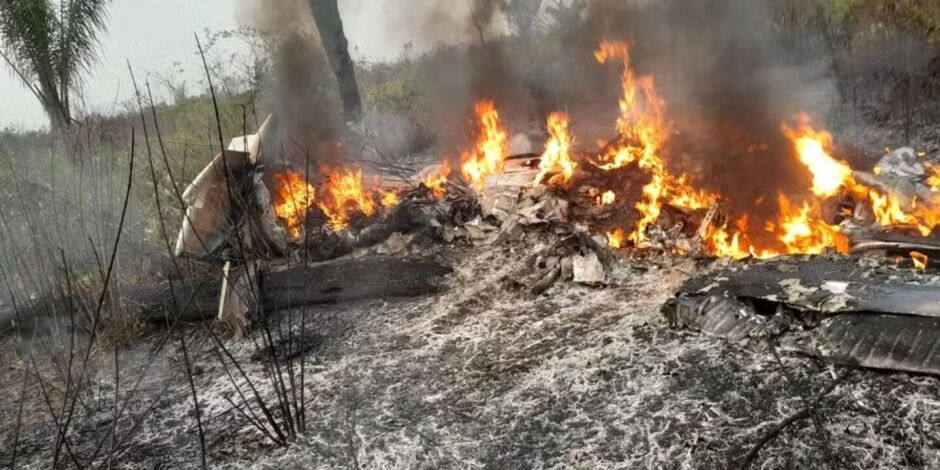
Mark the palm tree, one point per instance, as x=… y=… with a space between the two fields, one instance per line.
x=49 y=44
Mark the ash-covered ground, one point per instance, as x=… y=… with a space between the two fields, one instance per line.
x=484 y=375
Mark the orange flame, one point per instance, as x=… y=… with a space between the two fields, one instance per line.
x=934 y=179
x=615 y=238
x=437 y=182
x=722 y=244
x=920 y=260
x=813 y=148
x=641 y=122
x=888 y=210
x=830 y=175
x=293 y=196
x=491 y=149
x=556 y=157
x=389 y=198
x=643 y=134
x=642 y=127
x=644 y=131
x=804 y=232
x=927 y=217
x=344 y=195
x=650 y=208
x=686 y=196
x=800 y=231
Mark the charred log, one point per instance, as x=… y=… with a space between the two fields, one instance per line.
x=341 y=280
x=327 y=245
x=179 y=300
x=346 y=280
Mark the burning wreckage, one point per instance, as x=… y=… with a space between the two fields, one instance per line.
x=839 y=268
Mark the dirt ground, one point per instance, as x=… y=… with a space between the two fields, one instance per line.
x=482 y=375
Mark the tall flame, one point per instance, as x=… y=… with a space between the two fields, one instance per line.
x=722 y=244
x=683 y=195
x=643 y=133
x=388 y=199
x=888 y=211
x=491 y=148
x=813 y=148
x=641 y=124
x=556 y=157
x=804 y=232
x=293 y=196
x=800 y=228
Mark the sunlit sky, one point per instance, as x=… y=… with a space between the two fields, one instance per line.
x=155 y=34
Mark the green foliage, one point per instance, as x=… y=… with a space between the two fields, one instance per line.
x=81 y=188
x=919 y=18
x=49 y=45
x=923 y=16
x=840 y=10
x=390 y=87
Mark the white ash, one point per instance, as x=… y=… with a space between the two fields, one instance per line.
x=484 y=376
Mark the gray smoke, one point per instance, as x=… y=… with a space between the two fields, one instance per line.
x=729 y=81
x=300 y=90
x=728 y=78
x=734 y=86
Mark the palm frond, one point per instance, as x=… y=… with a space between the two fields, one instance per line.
x=27 y=30
x=49 y=44
x=81 y=22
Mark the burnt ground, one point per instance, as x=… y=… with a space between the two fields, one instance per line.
x=482 y=375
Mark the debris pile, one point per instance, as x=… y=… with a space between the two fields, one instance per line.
x=593 y=210
x=853 y=311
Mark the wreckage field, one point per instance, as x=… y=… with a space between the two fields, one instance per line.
x=579 y=234
x=483 y=374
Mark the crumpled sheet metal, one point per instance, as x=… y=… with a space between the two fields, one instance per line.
x=832 y=308
x=826 y=285
x=902 y=174
x=588 y=269
x=719 y=316
x=515 y=209
x=208 y=221
x=877 y=341
x=902 y=163
x=873 y=340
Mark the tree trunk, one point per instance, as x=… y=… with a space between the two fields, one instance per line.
x=326 y=16
x=59 y=120
x=58 y=111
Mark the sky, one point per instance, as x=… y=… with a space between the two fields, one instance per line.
x=154 y=35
